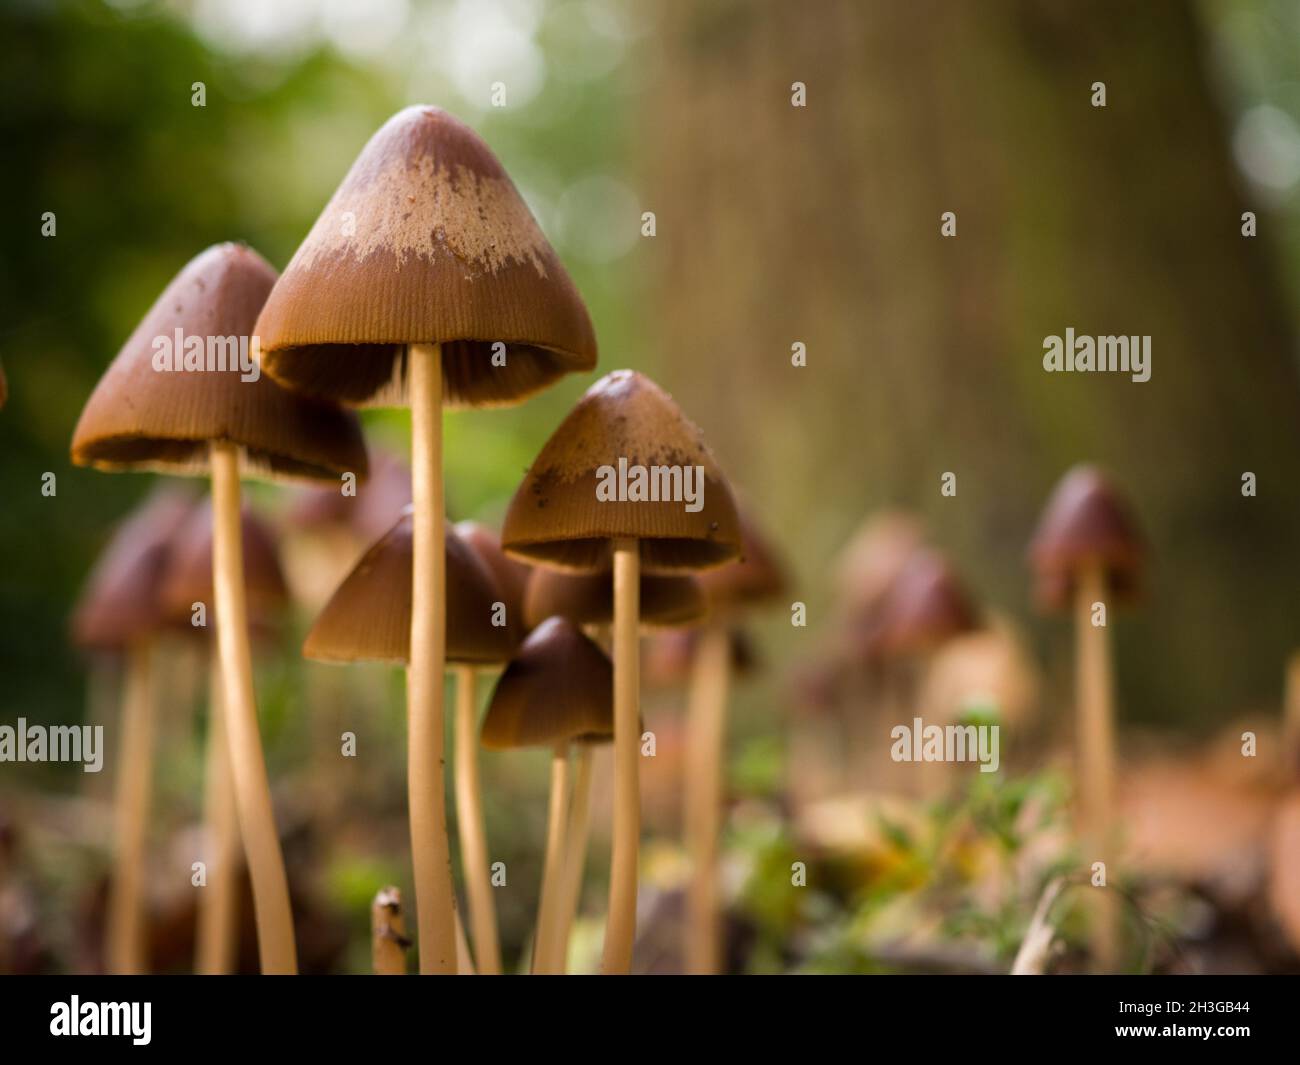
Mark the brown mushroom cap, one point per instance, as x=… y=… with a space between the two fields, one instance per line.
x=511 y=575
x=426 y=241
x=588 y=599
x=122 y=600
x=369 y=616
x=757 y=577
x=558 y=688
x=369 y=513
x=1086 y=521
x=925 y=607
x=140 y=417
x=188 y=579
x=556 y=516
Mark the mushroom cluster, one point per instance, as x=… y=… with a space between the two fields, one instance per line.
x=425 y=283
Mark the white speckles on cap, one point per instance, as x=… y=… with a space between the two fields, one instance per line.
x=420 y=208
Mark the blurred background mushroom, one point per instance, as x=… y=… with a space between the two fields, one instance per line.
x=122 y=611
x=1087 y=555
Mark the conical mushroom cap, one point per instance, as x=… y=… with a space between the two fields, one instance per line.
x=558 y=688
x=511 y=575
x=188 y=579
x=369 y=513
x=369 y=616
x=122 y=600
x=426 y=241
x=1086 y=521
x=757 y=577
x=144 y=418
x=588 y=599
x=557 y=516
x=926 y=606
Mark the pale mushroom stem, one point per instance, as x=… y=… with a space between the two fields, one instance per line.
x=271 y=907
x=576 y=833
x=126 y=946
x=553 y=866
x=473 y=834
x=217 y=940
x=388 y=940
x=435 y=900
x=705 y=743
x=464 y=960
x=620 y=929
x=1096 y=710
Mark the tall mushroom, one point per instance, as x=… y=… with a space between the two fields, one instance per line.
x=1087 y=552
x=426 y=283
x=602 y=486
x=555 y=691
x=121 y=612
x=176 y=399
x=756 y=579
x=369 y=619
x=186 y=587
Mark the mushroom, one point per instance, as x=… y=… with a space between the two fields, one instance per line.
x=1087 y=551
x=555 y=691
x=756 y=579
x=426 y=282
x=120 y=611
x=369 y=618
x=575 y=509
x=187 y=584
x=222 y=422
x=587 y=600
x=925 y=607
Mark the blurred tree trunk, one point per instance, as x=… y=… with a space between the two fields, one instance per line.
x=821 y=224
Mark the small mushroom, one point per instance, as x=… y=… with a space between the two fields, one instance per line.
x=556 y=691
x=369 y=618
x=757 y=579
x=572 y=512
x=222 y=423
x=1087 y=551
x=426 y=283
x=121 y=612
